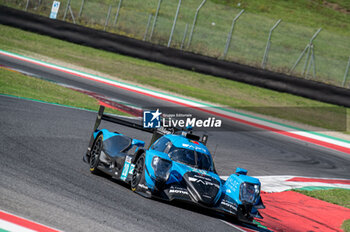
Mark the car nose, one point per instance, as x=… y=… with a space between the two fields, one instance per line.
x=202 y=188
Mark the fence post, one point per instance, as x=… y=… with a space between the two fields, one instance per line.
x=174 y=24
x=65 y=12
x=299 y=58
x=184 y=37
x=312 y=61
x=71 y=13
x=148 y=22
x=268 y=44
x=307 y=59
x=81 y=8
x=229 y=37
x=155 y=20
x=27 y=5
x=117 y=14
x=107 y=18
x=194 y=23
x=309 y=48
x=346 y=72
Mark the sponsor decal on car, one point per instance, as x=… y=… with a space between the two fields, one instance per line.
x=200 y=171
x=126 y=168
x=132 y=167
x=178 y=190
x=203 y=180
x=196 y=148
x=143 y=186
x=229 y=205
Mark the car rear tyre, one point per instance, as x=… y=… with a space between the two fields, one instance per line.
x=95 y=154
x=139 y=172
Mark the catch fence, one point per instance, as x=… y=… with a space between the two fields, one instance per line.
x=210 y=29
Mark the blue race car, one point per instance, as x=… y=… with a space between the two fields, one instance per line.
x=176 y=166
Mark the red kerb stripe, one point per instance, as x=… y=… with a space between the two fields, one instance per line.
x=25 y=223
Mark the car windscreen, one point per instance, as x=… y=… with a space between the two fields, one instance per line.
x=192 y=158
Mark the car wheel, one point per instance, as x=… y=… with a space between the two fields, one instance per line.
x=95 y=154
x=139 y=172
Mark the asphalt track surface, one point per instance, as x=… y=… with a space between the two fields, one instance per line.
x=44 y=179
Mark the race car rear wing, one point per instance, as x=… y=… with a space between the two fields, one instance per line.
x=157 y=132
x=101 y=116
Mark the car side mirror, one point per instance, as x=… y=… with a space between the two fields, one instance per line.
x=241 y=171
x=138 y=143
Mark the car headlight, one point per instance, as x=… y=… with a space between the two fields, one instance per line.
x=161 y=168
x=249 y=193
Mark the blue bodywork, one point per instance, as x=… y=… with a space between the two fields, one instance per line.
x=170 y=179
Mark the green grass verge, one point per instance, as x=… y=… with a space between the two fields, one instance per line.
x=301 y=18
x=17 y=84
x=346 y=226
x=187 y=83
x=336 y=196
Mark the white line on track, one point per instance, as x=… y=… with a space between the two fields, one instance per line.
x=279 y=183
x=8 y=226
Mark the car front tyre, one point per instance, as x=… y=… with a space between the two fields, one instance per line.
x=95 y=154
x=139 y=172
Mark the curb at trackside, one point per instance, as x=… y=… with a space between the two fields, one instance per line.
x=243 y=118
x=270 y=184
x=11 y=222
x=65 y=106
